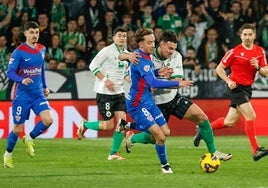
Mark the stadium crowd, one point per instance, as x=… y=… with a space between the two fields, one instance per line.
x=206 y=28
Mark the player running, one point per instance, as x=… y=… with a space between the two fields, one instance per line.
x=244 y=60
x=169 y=63
x=27 y=69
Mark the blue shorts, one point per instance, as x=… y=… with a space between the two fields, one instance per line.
x=21 y=108
x=146 y=115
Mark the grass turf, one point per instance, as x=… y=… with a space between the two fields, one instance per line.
x=72 y=163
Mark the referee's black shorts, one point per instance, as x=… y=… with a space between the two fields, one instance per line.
x=239 y=95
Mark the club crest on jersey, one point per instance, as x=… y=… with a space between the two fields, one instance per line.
x=10 y=60
x=242 y=54
x=146 y=68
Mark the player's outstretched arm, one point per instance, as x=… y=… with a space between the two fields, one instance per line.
x=186 y=83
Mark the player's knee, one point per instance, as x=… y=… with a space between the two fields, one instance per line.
x=161 y=140
x=47 y=121
x=167 y=132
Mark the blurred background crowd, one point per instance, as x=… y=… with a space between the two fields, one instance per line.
x=73 y=31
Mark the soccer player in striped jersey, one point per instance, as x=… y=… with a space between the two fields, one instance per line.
x=111 y=73
x=244 y=60
x=27 y=69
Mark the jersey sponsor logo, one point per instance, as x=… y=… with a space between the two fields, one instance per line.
x=10 y=60
x=28 y=59
x=34 y=71
x=146 y=68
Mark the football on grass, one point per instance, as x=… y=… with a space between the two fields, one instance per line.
x=209 y=163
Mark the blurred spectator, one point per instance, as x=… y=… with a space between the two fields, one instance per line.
x=70 y=58
x=158 y=30
x=82 y=24
x=188 y=38
x=6 y=14
x=260 y=7
x=22 y=21
x=262 y=32
x=43 y=6
x=58 y=16
x=93 y=12
x=52 y=64
x=81 y=64
x=215 y=10
x=191 y=52
x=236 y=8
x=63 y=67
x=230 y=32
x=31 y=9
x=108 y=26
x=201 y=19
x=99 y=45
x=171 y=20
x=159 y=8
x=92 y=40
x=54 y=50
x=146 y=19
x=4 y=52
x=127 y=23
x=14 y=38
x=138 y=9
x=111 y=5
x=72 y=38
x=248 y=11
x=131 y=44
x=189 y=60
x=210 y=48
x=44 y=29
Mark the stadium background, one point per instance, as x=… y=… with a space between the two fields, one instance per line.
x=72 y=98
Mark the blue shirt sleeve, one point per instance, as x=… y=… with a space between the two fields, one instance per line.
x=156 y=83
x=13 y=66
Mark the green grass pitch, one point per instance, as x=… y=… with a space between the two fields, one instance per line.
x=71 y=163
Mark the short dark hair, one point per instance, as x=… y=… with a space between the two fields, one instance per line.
x=119 y=29
x=169 y=36
x=31 y=24
x=140 y=33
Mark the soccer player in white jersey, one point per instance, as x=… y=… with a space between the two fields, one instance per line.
x=169 y=64
x=111 y=73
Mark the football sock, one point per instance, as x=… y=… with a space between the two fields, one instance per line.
x=94 y=125
x=218 y=123
x=251 y=133
x=38 y=129
x=142 y=137
x=161 y=152
x=11 y=141
x=207 y=134
x=117 y=140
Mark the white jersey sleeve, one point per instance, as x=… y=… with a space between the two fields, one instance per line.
x=107 y=62
x=162 y=96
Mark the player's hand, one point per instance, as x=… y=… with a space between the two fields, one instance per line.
x=186 y=83
x=27 y=81
x=254 y=62
x=46 y=91
x=231 y=84
x=165 y=72
x=134 y=57
x=110 y=85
